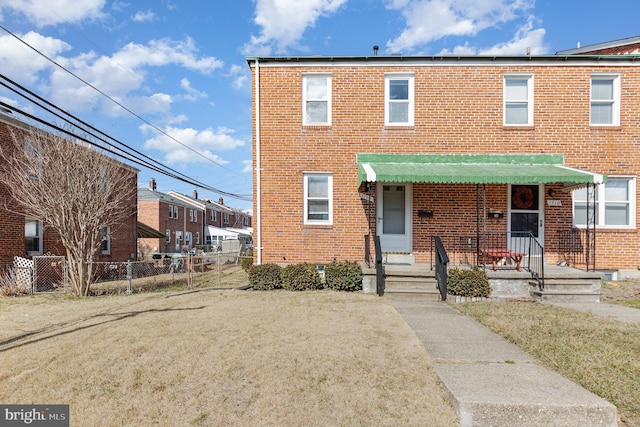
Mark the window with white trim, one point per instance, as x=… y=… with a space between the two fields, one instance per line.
x=105 y=240
x=318 y=198
x=398 y=99
x=213 y=215
x=518 y=100
x=225 y=218
x=168 y=238
x=615 y=205
x=33 y=237
x=197 y=237
x=605 y=99
x=316 y=99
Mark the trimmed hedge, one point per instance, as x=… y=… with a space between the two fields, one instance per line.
x=300 y=277
x=468 y=283
x=265 y=277
x=343 y=276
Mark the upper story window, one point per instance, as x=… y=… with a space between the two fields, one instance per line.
x=173 y=211
x=398 y=99
x=33 y=159
x=605 y=99
x=213 y=215
x=614 y=204
x=168 y=236
x=225 y=218
x=318 y=198
x=518 y=100
x=316 y=99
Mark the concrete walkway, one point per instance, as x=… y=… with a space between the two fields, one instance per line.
x=608 y=311
x=490 y=381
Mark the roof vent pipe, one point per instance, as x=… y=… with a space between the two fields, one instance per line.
x=375 y=50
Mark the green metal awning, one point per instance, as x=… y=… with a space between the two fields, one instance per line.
x=472 y=169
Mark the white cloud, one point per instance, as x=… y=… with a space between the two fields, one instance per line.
x=204 y=141
x=284 y=22
x=240 y=76
x=123 y=76
x=53 y=12
x=429 y=20
x=144 y=16
x=20 y=62
x=248 y=166
x=191 y=94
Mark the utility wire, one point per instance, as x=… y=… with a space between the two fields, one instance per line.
x=110 y=98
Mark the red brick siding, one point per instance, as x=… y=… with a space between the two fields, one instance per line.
x=12 y=241
x=458 y=109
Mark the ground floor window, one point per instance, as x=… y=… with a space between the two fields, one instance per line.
x=318 y=198
x=33 y=237
x=614 y=203
x=105 y=240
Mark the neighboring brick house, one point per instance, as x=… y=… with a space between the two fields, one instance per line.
x=348 y=147
x=181 y=222
x=218 y=218
x=27 y=237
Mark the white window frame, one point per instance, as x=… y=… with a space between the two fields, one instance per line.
x=615 y=102
x=306 y=120
x=601 y=204
x=105 y=236
x=175 y=212
x=225 y=218
x=33 y=158
x=214 y=216
x=528 y=78
x=197 y=237
x=167 y=233
x=38 y=235
x=307 y=198
x=410 y=101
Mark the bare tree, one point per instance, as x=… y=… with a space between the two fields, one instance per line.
x=73 y=189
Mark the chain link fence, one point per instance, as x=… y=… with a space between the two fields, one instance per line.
x=48 y=274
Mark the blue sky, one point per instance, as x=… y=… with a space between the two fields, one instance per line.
x=180 y=65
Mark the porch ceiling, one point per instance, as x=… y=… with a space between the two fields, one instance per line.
x=472 y=169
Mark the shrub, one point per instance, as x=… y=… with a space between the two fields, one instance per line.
x=11 y=285
x=265 y=277
x=247 y=261
x=343 y=276
x=300 y=277
x=468 y=283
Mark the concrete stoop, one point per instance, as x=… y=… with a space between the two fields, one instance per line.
x=578 y=289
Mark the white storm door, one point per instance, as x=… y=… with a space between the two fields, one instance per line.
x=394 y=217
x=526 y=215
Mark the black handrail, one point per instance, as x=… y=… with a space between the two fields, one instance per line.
x=379 y=268
x=442 y=259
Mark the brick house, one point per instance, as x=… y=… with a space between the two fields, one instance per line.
x=27 y=237
x=408 y=148
x=181 y=222
x=220 y=222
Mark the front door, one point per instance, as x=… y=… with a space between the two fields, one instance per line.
x=526 y=207
x=394 y=217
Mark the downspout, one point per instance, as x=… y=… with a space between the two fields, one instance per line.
x=258 y=169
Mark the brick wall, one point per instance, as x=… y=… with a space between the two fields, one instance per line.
x=458 y=109
x=12 y=224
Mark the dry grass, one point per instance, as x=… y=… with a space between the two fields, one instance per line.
x=220 y=357
x=601 y=355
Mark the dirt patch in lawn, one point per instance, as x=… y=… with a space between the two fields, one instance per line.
x=220 y=357
x=620 y=291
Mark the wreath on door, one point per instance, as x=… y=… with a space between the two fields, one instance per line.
x=522 y=197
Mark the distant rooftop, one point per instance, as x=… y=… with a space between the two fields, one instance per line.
x=628 y=46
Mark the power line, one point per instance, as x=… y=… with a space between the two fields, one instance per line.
x=111 y=99
x=155 y=165
x=158 y=167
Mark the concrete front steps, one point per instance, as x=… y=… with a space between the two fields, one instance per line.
x=562 y=284
x=582 y=287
